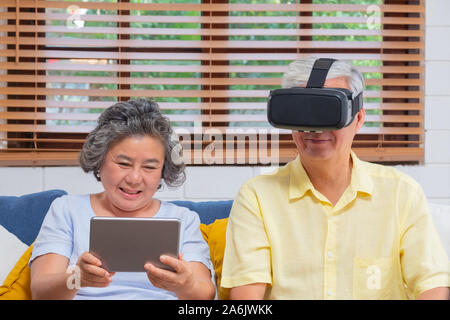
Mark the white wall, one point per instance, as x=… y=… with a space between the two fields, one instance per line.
x=214 y=183
x=434 y=176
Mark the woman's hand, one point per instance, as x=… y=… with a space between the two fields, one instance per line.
x=178 y=281
x=190 y=280
x=91 y=272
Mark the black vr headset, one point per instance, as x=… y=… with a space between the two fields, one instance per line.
x=313 y=108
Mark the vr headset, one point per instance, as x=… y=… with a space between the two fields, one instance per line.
x=313 y=108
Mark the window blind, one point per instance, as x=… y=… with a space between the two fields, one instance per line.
x=209 y=64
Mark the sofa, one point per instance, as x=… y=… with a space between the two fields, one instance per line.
x=21 y=218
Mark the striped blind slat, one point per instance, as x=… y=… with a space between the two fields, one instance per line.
x=209 y=64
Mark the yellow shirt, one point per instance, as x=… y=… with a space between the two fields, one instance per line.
x=377 y=242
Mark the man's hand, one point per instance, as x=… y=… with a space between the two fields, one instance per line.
x=91 y=272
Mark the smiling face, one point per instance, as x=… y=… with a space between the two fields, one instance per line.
x=330 y=144
x=131 y=174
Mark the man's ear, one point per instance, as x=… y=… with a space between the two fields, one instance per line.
x=360 y=117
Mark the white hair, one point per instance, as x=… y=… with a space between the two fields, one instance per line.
x=299 y=71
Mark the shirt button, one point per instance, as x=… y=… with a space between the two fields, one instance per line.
x=330 y=292
x=330 y=254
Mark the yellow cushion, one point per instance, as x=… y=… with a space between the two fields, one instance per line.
x=17 y=283
x=214 y=234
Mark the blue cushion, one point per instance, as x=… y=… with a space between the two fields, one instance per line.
x=23 y=215
x=208 y=210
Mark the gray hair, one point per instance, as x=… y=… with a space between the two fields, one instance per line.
x=132 y=118
x=299 y=71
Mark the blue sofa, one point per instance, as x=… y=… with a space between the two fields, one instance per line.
x=21 y=219
x=23 y=216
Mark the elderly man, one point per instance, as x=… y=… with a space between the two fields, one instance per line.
x=330 y=226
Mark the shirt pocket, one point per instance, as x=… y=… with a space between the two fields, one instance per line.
x=373 y=278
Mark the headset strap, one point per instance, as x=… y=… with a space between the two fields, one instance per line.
x=319 y=72
x=318 y=76
x=357 y=103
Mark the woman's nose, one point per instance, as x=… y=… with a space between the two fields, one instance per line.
x=134 y=176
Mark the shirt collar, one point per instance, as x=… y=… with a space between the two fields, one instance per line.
x=361 y=178
x=299 y=182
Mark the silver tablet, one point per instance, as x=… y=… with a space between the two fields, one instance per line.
x=126 y=244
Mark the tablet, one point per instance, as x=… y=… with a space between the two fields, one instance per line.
x=126 y=244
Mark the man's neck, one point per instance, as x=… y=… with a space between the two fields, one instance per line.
x=330 y=177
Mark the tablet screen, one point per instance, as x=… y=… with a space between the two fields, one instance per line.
x=126 y=244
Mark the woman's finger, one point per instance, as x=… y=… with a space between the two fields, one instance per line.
x=94 y=278
x=85 y=283
x=175 y=263
x=95 y=271
x=159 y=274
x=89 y=258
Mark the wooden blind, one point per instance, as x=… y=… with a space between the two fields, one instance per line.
x=209 y=64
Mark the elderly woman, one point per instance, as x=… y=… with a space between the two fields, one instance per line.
x=130 y=152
